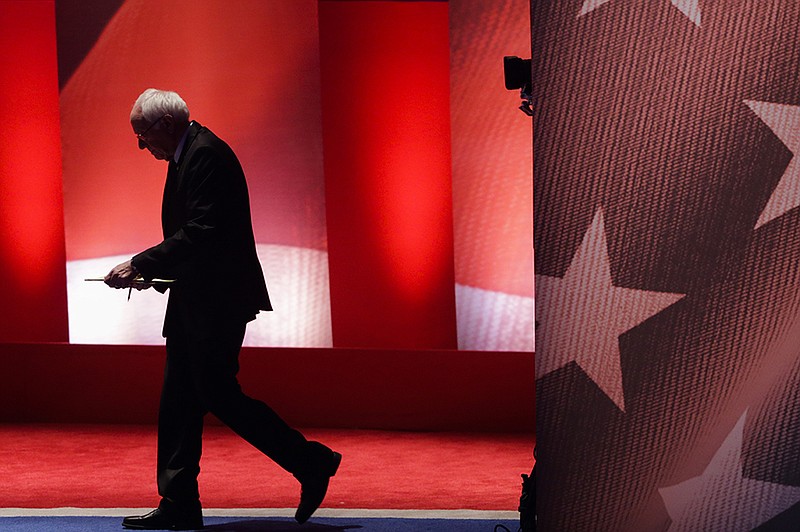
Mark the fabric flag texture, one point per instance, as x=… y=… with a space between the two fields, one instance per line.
x=667 y=237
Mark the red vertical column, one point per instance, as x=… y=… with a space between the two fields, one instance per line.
x=386 y=137
x=32 y=259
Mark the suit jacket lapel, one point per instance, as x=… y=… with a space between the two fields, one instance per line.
x=194 y=129
x=173 y=183
x=167 y=201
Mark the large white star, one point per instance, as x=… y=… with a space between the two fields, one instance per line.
x=582 y=315
x=784 y=121
x=687 y=7
x=721 y=499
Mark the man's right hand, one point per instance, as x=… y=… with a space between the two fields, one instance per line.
x=123 y=276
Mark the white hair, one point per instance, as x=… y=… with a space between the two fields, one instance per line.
x=156 y=103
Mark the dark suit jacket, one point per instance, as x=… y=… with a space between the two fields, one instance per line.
x=208 y=244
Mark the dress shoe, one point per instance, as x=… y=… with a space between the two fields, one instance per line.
x=158 y=519
x=313 y=489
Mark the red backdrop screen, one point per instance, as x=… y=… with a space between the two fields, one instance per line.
x=389 y=171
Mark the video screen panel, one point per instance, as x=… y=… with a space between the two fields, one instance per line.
x=492 y=177
x=248 y=70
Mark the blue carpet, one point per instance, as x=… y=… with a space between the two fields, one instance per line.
x=264 y=524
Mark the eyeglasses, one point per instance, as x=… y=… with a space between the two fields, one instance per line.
x=141 y=135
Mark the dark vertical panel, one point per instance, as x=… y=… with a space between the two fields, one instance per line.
x=33 y=286
x=386 y=139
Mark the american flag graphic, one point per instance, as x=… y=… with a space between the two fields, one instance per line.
x=667 y=238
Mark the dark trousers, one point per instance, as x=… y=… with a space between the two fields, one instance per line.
x=200 y=377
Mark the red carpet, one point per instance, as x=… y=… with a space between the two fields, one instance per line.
x=111 y=466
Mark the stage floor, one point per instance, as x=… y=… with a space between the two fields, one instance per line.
x=112 y=466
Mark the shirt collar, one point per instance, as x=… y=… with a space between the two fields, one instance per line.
x=179 y=149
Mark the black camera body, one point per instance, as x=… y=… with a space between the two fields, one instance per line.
x=518 y=76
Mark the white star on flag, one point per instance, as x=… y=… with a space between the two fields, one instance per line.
x=784 y=121
x=721 y=498
x=582 y=315
x=687 y=7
